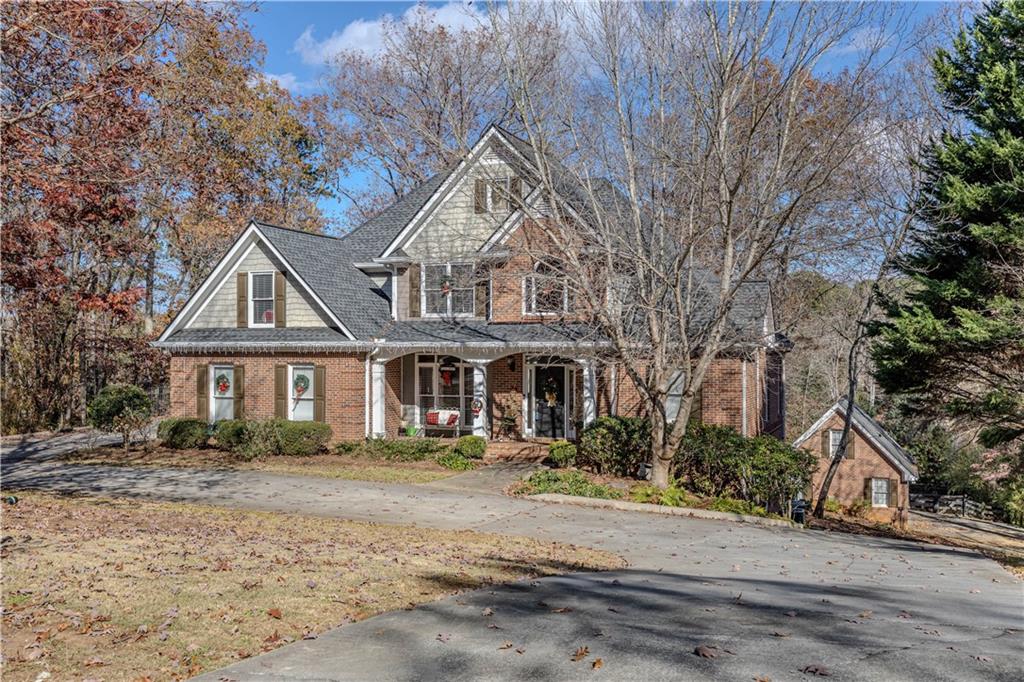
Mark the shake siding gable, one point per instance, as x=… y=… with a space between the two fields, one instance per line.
x=221 y=311
x=455 y=229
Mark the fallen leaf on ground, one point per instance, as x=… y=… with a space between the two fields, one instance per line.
x=791 y=614
x=487 y=612
x=819 y=670
x=443 y=637
x=505 y=645
x=597 y=663
x=274 y=613
x=780 y=634
x=561 y=609
x=580 y=654
x=706 y=651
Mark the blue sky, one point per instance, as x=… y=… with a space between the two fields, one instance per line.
x=301 y=36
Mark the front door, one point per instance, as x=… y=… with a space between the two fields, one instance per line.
x=549 y=402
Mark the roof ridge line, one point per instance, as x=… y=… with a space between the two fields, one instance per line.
x=260 y=223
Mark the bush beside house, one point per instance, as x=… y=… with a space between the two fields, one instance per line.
x=120 y=408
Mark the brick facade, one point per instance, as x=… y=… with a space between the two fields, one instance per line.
x=505 y=386
x=848 y=484
x=345 y=387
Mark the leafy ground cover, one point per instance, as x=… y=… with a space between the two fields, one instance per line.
x=344 y=466
x=126 y=590
x=583 y=484
x=1007 y=548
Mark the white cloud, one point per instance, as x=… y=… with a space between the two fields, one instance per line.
x=289 y=81
x=868 y=38
x=368 y=36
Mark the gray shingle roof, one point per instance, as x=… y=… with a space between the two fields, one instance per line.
x=261 y=337
x=369 y=240
x=477 y=332
x=326 y=265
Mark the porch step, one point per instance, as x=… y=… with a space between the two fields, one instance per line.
x=515 y=451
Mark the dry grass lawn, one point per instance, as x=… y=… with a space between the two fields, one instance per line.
x=129 y=590
x=325 y=466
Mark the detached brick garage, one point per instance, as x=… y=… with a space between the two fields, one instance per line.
x=875 y=468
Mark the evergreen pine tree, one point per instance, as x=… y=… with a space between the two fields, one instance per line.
x=954 y=344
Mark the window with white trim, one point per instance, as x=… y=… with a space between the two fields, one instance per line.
x=495 y=195
x=222 y=392
x=301 y=391
x=879 y=492
x=545 y=292
x=834 y=437
x=674 y=395
x=261 y=299
x=448 y=290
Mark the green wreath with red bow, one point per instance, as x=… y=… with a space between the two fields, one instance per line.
x=300 y=384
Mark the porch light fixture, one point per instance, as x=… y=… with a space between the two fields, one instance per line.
x=512 y=363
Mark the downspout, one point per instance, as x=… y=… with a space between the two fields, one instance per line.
x=366 y=392
x=743 y=396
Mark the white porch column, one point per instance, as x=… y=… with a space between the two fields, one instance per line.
x=589 y=391
x=378 y=393
x=480 y=394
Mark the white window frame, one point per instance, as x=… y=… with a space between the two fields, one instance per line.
x=292 y=400
x=833 y=446
x=888 y=493
x=530 y=301
x=252 y=306
x=448 y=297
x=213 y=372
x=492 y=184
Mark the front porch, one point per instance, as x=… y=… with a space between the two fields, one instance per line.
x=504 y=397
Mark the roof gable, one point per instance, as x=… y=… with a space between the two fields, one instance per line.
x=269 y=237
x=451 y=181
x=871 y=431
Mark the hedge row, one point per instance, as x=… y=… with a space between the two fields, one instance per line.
x=713 y=461
x=248 y=438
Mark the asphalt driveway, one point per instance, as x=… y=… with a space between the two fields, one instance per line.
x=762 y=602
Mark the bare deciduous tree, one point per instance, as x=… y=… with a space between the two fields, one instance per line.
x=696 y=141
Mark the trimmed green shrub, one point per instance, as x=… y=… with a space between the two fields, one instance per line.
x=302 y=439
x=568 y=482
x=347 y=447
x=120 y=408
x=673 y=496
x=394 y=449
x=230 y=433
x=181 y=433
x=261 y=439
x=615 y=445
x=716 y=461
x=455 y=461
x=472 y=447
x=562 y=454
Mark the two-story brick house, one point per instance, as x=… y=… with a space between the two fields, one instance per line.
x=430 y=315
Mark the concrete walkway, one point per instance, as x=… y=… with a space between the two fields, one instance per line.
x=773 y=601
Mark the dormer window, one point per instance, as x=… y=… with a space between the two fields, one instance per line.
x=496 y=195
x=261 y=299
